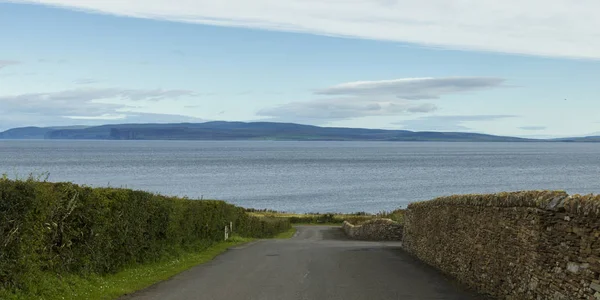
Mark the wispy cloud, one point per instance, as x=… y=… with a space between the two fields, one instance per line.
x=377 y=98
x=51 y=120
x=532 y=128
x=448 y=123
x=133 y=117
x=560 y=28
x=329 y=109
x=413 y=88
x=84 y=81
x=82 y=104
x=89 y=94
x=100 y=117
x=6 y=63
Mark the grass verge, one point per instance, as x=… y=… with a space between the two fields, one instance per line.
x=52 y=286
x=286 y=234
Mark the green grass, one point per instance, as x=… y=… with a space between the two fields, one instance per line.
x=52 y=286
x=286 y=234
x=313 y=218
x=328 y=219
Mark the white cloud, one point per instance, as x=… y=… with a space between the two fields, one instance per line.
x=447 y=123
x=134 y=117
x=413 y=88
x=101 y=117
x=377 y=98
x=86 y=95
x=62 y=107
x=329 y=109
x=54 y=121
x=563 y=28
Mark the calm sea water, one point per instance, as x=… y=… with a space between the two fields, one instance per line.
x=310 y=176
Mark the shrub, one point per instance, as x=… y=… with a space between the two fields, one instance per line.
x=316 y=219
x=66 y=228
x=396 y=215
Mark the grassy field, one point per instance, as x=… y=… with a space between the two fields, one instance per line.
x=328 y=218
x=311 y=218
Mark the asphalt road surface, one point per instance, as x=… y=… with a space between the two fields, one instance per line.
x=318 y=263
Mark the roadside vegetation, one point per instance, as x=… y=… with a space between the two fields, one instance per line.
x=327 y=218
x=52 y=286
x=286 y=234
x=65 y=241
x=61 y=240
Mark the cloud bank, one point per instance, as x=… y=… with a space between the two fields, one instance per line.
x=413 y=88
x=344 y=108
x=377 y=98
x=561 y=28
x=85 y=106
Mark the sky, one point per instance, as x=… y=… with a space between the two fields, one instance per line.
x=520 y=68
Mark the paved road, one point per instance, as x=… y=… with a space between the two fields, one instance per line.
x=319 y=263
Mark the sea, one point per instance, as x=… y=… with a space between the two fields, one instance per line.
x=309 y=176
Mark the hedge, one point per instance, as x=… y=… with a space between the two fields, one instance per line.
x=66 y=228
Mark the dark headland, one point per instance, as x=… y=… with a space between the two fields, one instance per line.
x=220 y=130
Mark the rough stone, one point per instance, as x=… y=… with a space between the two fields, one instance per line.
x=573 y=267
x=374 y=230
x=522 y=245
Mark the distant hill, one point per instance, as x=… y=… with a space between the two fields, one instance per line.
x=242 y=131
x=23 y=133
x=588 y=139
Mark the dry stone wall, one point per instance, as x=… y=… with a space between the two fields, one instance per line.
x=374 y=230
x=522 y=245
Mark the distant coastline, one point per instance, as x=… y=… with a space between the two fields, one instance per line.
x=221 y=131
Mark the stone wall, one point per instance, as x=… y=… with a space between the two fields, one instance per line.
x=374 y=230
x=523 y=245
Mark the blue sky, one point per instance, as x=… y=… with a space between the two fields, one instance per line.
x=517 y=69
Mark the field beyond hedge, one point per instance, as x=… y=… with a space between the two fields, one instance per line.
x=71 y=231
x=328 y=218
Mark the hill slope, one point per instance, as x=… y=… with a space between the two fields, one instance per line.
x=586 y=139
x=32 y=132
x=242 y=131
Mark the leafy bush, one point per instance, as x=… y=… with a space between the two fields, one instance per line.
x=69 y=229
x=315 y=219
x=396 y=215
